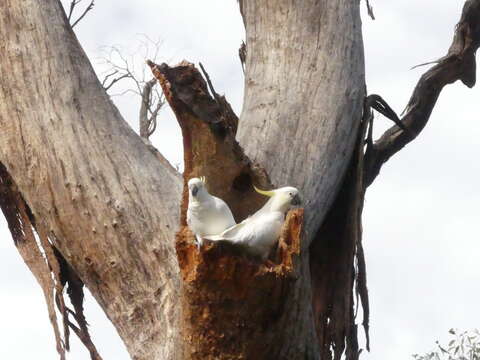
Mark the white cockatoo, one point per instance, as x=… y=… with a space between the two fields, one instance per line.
x=259 y=232
x=206 y=214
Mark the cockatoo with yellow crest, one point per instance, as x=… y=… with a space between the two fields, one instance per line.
x=206 y=214
x=259 y=232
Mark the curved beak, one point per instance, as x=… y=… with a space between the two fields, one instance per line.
x=296 y=200
x=194 y=190
x=263 y=192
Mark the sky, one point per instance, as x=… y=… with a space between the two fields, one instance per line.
x=421 y=214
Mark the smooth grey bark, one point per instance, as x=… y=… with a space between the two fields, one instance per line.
x=103 y=198
x=304 y=90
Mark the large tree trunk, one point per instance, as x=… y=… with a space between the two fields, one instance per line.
x=104 y=200
x=107 y=208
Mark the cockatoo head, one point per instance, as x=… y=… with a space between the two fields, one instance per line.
x=196 y=188
x=281 y=199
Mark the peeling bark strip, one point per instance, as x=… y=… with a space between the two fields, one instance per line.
x=332 y=255
x=340 y=238
x=210 y=149
x=15 y=211
x=458 y=64
x=44 y=262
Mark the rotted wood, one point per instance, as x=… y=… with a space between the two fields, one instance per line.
x=232 y=306
x=210 y=149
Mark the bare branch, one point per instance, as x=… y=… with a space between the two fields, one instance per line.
x=145 y=108
x=72 y=6
x=108 y=76
x=107 y=87
x=127 y=66
x=87 y=9
x=458 y=64
x=152 y=125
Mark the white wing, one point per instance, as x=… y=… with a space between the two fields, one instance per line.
x=223 y=214
x=209 y=217
x=257 y=234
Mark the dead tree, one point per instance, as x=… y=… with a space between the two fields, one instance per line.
x=110 y=215
x=121 y=67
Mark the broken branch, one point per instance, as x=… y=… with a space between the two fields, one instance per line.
x=458 y=64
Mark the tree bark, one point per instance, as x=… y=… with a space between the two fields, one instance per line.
x=304 y=89
x=110 y=209
x=96 y=191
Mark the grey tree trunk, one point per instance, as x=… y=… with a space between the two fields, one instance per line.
x=304 y=90
x=104 y=200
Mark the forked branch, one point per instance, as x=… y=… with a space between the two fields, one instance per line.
x=458 y=64
x=73 y=4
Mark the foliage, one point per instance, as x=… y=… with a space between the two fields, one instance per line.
x=462 y=346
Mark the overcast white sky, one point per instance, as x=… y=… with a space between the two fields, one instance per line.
x=421 y=215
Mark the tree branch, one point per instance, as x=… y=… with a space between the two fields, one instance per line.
x=144 y=120
x=87 y=9
x=72 y=6
x=458 y=64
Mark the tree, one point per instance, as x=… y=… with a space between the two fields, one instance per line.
x=122 y=67
x=106 y=210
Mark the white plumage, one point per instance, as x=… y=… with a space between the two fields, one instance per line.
x=206 y=214
x=259 y=232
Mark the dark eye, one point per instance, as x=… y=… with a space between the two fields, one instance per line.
x=291 y=194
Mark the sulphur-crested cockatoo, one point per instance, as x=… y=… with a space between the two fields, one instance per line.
x=259 y=232
x=206 y=214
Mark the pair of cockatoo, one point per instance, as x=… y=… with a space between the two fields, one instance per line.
x=210 y=218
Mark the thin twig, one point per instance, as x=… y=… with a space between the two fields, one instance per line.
x=108 y=76
x=426 y=63
x=210 y=85
x=72 y=6
x=115 y=81
x=87 y=9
